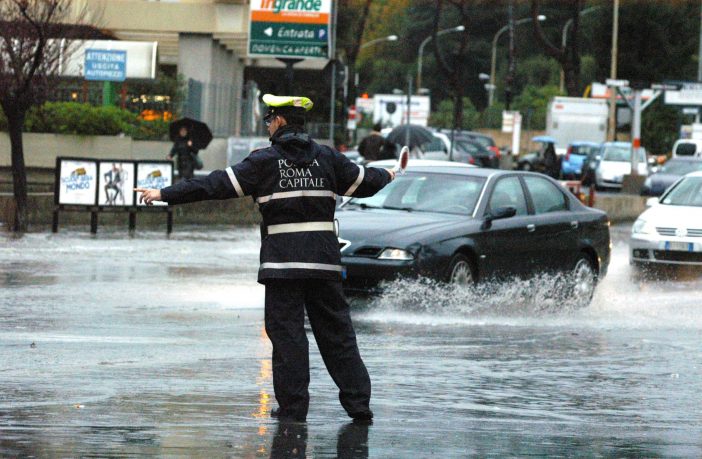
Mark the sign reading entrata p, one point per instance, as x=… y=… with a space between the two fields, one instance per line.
x=290 y=28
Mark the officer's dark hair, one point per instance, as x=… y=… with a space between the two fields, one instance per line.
x=294 y=119
x=294 y=116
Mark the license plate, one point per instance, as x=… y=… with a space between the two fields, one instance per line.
x=680 y=246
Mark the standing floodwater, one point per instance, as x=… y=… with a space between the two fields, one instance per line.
x=113 y=345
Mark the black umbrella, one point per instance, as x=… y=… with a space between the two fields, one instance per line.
x=411 y=135
x=198 y=132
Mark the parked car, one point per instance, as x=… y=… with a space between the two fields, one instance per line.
x=481 y=155
x=463 y=225
x=461 y=155
x=483 y=139
x=615 y=163
x=576 y=154
x=670 y=231
x=669 y=173
x=687 y=148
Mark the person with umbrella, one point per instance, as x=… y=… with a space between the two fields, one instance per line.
x=188 y=136
x=295 y=182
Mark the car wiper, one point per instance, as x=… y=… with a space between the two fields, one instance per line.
x=408 y=209
x=362 y=205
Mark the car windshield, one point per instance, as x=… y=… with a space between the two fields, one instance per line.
x=688 y=192
x=621 y=154
x=484 y=141
x=426 y=192
x=583 y=150
x=468 y=147
x=436 y=144
x=681 y=167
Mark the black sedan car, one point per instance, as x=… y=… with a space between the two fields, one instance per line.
x=671 y=171
x=461 y=224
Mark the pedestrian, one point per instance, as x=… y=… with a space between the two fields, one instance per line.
x=375 y=147
x=186 y=153
x=295 y=182
x=552 y=166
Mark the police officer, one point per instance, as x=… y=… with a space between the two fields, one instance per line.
x=295 y=182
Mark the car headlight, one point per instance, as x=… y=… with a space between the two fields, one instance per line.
x=648 y=182
x=395 y=254
x=642 y=227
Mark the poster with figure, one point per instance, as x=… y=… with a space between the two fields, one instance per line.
x=76 y=181
x=154 y=174
x=116 y=183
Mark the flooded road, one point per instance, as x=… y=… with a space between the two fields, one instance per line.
x=150 y=345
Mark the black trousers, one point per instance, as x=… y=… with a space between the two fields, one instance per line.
x=328 y=313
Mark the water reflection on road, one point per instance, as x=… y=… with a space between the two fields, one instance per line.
x=112 y=345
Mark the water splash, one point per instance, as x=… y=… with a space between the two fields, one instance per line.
x=537 y=296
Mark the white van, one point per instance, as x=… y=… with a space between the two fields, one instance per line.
x=688 y=148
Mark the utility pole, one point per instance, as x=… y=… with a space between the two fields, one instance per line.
x=699 y=62
x=612 y=131
x=332 y=110
x=510 y=69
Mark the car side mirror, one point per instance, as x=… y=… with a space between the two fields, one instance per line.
x=498 y=214
x=650 y=202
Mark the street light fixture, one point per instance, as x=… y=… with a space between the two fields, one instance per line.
x=493 y=62
x=378 y=40
x=459 y=28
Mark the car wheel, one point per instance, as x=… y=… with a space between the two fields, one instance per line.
x=461 y=271
x=583 y=281
x=526 y=167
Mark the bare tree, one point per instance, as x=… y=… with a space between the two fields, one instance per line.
x=33 y=41
x=568 y=56
x=452 y=69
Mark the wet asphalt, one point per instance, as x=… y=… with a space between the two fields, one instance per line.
x=113 y=345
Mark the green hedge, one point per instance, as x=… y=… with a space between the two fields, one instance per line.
x=85 y=119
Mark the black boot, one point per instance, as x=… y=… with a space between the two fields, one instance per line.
x=283 y=416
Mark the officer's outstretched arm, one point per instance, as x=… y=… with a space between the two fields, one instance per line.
x=233 y=182
x=359 y=181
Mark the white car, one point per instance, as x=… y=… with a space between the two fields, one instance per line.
x=670 y=231
x=615 y=163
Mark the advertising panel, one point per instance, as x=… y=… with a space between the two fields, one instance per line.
x=290 y=29
x=390 y=110
x=154 y=174
x=76 y=181
x=116 y=183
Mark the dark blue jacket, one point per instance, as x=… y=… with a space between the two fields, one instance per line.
x=295 y=182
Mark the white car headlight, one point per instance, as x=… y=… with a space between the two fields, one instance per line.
x=395 y=254
x=642 y=227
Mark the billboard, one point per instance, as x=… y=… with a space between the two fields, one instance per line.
x=390 y=110
x=155 y=175
x=290 y=29
x=76 y=181
x=116 y=183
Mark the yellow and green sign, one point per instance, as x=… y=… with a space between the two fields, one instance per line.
x=290 y=28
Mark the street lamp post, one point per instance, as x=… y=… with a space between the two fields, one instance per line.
x=564 y=38
x=459 y=28
x=493 y=61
